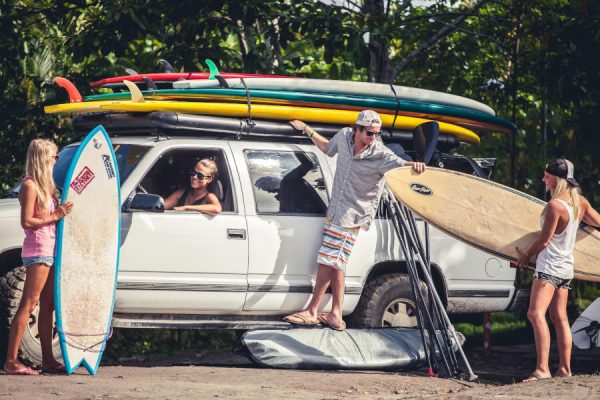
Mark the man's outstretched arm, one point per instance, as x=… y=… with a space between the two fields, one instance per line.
x=321 y=142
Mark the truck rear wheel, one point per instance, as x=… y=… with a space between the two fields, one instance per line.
x=11 y=290
x=387 y=301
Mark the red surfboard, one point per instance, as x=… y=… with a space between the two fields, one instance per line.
x=168 y=77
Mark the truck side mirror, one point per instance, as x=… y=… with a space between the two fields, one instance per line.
x=145 y=202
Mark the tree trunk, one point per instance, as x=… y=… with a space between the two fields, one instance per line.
x=374 y=15
x=514 y=85
x=432 y=41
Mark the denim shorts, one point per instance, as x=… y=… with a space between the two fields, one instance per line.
x=558 y=283
x=27 y=261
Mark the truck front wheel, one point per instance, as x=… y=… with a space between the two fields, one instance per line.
x=387 y=301
x=11 y=290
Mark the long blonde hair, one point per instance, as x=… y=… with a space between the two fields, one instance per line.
x=39 y=168
x=562 y=187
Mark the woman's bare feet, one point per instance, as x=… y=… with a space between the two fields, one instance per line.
x=53 y=367
x=16 y=368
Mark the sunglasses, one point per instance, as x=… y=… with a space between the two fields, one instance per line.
x=371 y=133
x=199 y=175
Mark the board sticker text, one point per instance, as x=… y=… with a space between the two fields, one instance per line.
x=108 y=166
x=82 y=180
x=421 y=189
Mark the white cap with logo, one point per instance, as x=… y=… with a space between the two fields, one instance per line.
x=368 y=118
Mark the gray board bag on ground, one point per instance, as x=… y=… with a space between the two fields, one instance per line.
x=316 y=348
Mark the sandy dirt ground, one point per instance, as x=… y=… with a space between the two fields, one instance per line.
x=224 y=375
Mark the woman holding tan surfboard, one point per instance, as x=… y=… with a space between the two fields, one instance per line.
x=554 y=265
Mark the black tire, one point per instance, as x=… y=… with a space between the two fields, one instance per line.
x=11 y=291
x=387 y=301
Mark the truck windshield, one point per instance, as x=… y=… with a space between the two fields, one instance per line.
x=128 y=156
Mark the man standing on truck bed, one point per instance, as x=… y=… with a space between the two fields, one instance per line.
x=362 y=160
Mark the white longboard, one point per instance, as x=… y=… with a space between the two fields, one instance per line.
x=87 y=253
x=492 y=217
x=586 y=328
x=341 y=87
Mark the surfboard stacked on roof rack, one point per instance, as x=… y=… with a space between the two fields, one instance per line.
x=363 y=89
x=239 y=97
x=262 y=111
x=469 y=119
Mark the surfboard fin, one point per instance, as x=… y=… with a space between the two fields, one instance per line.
x=149 y=83
x=131 y=71
x=136 y=93
x=425 y=138
x=477 y=170
x=212 y=67
x=74 y=95
x=167 y=67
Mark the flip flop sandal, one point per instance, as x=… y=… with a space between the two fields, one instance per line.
x=300 y=320
x=323 y=318
x=534 y=377
x=55 y=370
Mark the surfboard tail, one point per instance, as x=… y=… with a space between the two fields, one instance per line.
x=89 y=359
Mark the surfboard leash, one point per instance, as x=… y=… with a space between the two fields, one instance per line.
x=71 y=342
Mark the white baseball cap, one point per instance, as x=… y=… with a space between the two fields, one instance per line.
x=368 y=118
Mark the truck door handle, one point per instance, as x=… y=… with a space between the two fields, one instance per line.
x=239 y=234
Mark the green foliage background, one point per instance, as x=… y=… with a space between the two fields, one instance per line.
x=533 y=61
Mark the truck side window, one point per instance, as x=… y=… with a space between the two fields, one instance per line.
x=287 y=182
x=171 y=172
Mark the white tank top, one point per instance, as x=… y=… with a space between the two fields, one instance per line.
x=557 y=258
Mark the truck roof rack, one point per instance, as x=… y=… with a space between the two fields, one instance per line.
x=180 y=124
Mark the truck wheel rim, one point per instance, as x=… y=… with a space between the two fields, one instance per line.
x=33 y=327
x=399 y=313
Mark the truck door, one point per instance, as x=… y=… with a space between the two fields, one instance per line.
x=185 y=261
x=286 y=199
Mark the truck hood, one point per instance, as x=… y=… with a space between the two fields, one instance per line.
x=9 y=208
x=11 y=233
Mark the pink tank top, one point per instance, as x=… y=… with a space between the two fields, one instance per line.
x=40 y=242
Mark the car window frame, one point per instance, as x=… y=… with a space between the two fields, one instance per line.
x=280 y=213
x=223 y=150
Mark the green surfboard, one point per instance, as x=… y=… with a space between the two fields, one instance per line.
x=452 y=114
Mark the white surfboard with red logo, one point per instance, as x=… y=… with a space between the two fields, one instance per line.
x=87 y=253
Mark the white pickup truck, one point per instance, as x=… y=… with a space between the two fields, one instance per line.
x=255 y=261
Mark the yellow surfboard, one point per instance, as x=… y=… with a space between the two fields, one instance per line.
x=492 y=217
x=266 y=111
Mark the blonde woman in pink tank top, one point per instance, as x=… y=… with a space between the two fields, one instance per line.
x=554 y=265
x=39 y=213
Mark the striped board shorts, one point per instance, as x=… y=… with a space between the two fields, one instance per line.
x=337 y=245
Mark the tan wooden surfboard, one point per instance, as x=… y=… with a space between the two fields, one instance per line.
x=492 y=217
